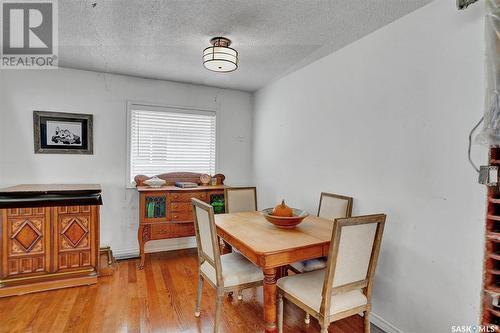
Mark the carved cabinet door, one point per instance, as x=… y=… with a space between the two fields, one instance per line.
x=25 y=242
x=74 y=235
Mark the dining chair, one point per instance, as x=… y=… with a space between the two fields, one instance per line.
x=240 y=199
x=344 y=287
x=226 y=273
x=331 y=206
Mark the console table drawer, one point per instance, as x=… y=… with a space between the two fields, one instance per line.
x=162 y=231
x=186 y=197
x=180 y=207
x=182 y=216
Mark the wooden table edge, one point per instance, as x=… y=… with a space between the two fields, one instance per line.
x=250 y=253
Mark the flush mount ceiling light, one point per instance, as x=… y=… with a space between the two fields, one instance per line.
x=220 y=57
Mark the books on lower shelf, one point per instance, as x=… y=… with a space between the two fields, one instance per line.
x=186 y=184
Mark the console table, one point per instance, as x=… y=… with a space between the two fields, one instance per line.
x=166 y=212
x=49 y=237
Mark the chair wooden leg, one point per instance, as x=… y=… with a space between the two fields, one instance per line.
x=366 y=320
x=280 y=313
x=307 y=319
x=218 y=310
x=198 y=297
x=324 y=326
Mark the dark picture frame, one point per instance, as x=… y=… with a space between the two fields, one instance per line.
x=63 y=133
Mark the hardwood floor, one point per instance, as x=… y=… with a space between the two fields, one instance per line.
x=159 y=298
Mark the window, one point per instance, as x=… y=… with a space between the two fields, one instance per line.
x=168 y=139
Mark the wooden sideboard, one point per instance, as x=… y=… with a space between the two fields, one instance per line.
x=166 y=212
x=49 y=237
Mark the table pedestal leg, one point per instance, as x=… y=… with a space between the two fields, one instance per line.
x=270 y=300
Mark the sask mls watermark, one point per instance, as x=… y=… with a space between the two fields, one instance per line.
x=29 y=35
x=474 y=328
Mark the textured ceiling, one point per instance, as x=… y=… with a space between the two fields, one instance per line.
x=165 y=39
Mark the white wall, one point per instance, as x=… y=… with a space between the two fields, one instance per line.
x=105 y=96
x=386 y=120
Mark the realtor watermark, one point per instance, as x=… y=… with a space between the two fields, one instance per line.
x=29 y=34
x=473 y=328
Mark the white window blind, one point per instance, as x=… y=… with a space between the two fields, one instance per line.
x=171 y=140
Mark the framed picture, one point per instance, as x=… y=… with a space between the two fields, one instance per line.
x=63 y=133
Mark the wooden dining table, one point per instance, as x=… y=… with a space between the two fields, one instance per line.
x=272 y=248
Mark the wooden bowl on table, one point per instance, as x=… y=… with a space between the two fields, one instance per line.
x=285 y=221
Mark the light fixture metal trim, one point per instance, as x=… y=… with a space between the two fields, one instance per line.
x=220 y=57
x=462 y=4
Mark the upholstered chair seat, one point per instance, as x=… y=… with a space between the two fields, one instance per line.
x=308 y=287
x=309 y=265
x=236 y=270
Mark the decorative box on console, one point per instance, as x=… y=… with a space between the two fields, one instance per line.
x=49 y=237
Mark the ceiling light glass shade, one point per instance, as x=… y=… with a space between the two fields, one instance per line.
x=220 y=57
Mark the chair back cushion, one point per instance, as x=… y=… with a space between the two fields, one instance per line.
x=205 y=233
x=206 y=238
x=332 y=206
x=352 y=258
x=354 y=253
x=241 y=199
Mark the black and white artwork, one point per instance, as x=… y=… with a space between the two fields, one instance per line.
x=63 y=133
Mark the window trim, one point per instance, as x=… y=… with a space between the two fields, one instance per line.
x=158 y=107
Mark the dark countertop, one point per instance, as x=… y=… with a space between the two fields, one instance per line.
x=41 y=195
x=34 y=189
